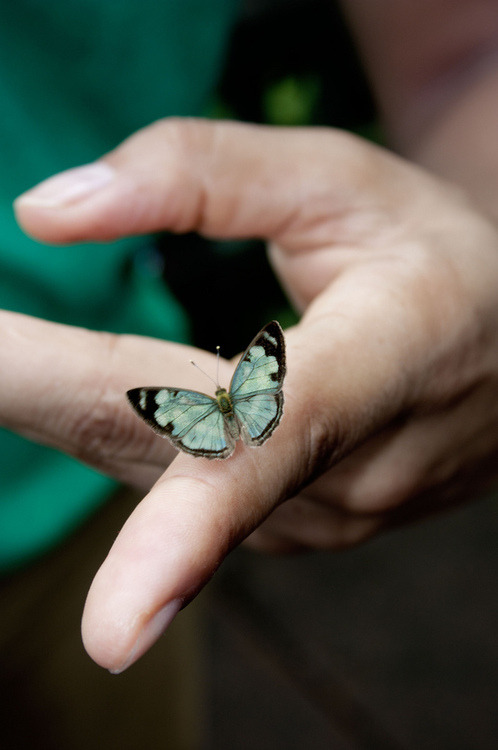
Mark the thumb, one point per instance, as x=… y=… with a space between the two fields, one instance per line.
x=218 y=178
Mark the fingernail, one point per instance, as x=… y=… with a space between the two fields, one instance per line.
x=69 y=187
x=149 y=634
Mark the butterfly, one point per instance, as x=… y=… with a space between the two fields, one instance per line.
x=205 y=426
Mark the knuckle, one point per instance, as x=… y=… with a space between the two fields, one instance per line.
x=379 y=492
x=102 y=430
x=184 y=140
x=327 y=437
x=186 y=148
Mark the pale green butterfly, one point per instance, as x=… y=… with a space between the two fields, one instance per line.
x=205 y=426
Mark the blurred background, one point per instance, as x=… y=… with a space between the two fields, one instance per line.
x=390 y=646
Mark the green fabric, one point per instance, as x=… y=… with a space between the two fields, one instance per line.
x=76 y=77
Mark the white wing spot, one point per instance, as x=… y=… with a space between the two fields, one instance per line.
x=271 y=339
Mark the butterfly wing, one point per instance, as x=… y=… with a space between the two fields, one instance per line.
x=256 y=385
x=195 y=423
x=192 y=421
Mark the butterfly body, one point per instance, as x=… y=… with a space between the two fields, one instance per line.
x=205 y=426
x=224 y=401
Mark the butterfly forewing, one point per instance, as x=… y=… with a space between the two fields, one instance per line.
x=205 y=426
x=262 y=366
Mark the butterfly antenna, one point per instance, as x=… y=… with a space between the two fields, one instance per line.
x=217 y=366
x=205 y=373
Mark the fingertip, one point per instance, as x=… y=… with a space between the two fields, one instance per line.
x=147 y=636
x=67 y=187
x=43 y=210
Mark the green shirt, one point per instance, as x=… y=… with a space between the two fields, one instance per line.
x=76 y=77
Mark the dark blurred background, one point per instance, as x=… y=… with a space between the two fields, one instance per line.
x=290 y=63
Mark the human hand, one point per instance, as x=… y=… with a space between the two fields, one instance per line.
x=392 y=371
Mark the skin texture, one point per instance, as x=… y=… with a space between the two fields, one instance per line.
x=392 y=381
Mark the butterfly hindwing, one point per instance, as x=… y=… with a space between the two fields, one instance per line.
x=191 y=420
x=258 y=415
x=204 y=426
